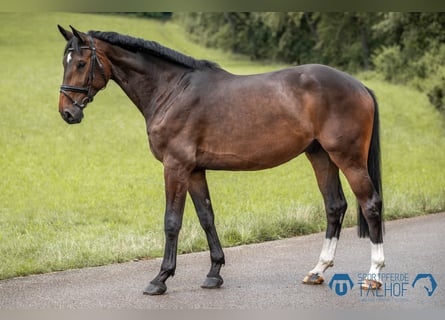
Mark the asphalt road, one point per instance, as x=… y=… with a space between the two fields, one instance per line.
x=259 y=276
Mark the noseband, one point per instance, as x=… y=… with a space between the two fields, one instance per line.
x=88 y=91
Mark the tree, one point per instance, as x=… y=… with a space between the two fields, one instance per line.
x=346 y=39
x=406 y=47
x=287 y=37
x=413 y=51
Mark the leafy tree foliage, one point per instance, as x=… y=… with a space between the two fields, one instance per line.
x=412 y=50
x=281 y=36
x=406 y=47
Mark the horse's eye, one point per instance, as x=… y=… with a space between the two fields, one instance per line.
x=81 y=64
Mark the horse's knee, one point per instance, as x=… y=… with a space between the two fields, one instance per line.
x=207 y=223
x=172 y=227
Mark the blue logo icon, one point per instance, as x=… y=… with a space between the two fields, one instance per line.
x=342 y=283
x=430 y=281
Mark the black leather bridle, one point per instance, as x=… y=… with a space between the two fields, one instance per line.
x=88 y=91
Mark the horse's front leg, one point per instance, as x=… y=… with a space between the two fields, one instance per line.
x=176 y=184
x=199 y=192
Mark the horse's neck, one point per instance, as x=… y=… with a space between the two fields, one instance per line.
x=142 y=79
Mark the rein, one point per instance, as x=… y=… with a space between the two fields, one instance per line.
x=88 y=91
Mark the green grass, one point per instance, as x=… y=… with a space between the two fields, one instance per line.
x=91 y=194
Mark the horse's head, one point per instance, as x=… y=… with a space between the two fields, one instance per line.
x=84 y=74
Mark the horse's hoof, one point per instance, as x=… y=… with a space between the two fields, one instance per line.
x=212 y=282
x=313 y=278
x=155 y=288
x=371 y=285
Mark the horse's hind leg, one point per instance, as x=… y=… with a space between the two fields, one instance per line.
x=199 y=192
x=356 y=173
x=335 y=204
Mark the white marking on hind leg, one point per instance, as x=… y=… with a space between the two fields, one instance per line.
x=327 y=254
x=377 y=263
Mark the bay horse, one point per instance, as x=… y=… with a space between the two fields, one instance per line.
x=200 y=117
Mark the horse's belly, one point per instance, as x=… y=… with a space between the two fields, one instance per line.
x=251 y=155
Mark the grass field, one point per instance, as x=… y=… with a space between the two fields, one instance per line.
x=91 y=194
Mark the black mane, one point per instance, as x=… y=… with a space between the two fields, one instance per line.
x=153 y=48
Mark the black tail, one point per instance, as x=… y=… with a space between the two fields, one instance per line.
x=374 y=168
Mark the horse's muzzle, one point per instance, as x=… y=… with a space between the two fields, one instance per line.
x=72 y=116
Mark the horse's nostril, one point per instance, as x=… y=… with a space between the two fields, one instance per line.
x=67 y=116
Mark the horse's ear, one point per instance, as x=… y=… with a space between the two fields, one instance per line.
x=65 y=33
x=79 y=35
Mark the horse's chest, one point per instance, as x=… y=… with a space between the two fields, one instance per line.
x=172 y=142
